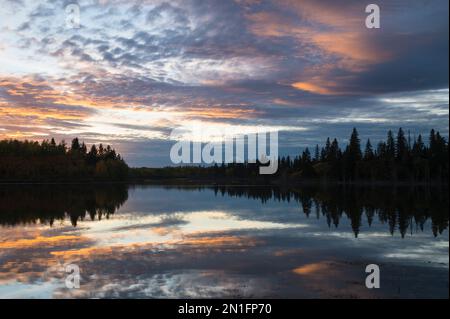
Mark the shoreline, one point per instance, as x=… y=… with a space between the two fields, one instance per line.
x=233 y=183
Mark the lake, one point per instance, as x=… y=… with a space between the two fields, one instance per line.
x=222 y=241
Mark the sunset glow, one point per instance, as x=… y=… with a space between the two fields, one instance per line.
x=135 y=70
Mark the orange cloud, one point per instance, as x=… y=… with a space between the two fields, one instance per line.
x=310 y=87
x=311 y=269
x=41 y=113
x=38 y=241
x=202 y=241
x=214 y=241
x=83 y=252
x=218 y=112
x=27 y=97
x=334 y=32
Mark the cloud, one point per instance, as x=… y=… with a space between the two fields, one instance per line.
x=134 y=71
x=347 y=52
x=31 y=107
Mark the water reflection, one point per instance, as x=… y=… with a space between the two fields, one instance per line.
x=400 y=209
x=25 y=204
x=147 y=241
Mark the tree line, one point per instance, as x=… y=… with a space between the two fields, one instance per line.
x=399 y=158
x=49 y=161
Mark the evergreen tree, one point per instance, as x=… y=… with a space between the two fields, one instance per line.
x=75 y=145
x=390 y=146
x=354 y=148
x=401 y=146
x=368 y=152
x=317 y=153
x=334 y=151
x=419 y=147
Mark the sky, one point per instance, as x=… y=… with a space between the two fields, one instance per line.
x=135 y=70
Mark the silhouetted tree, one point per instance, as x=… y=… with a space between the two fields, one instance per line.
x=47 y=161
x=368 y=152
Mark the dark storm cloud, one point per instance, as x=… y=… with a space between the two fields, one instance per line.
x=423 y=66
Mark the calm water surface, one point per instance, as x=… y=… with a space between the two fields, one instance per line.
x=237 y=242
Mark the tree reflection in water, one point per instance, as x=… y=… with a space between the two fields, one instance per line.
x=400 y=208
x=30 y=204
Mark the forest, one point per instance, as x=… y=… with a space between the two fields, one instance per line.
x=49 y=161
x=400 y=158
